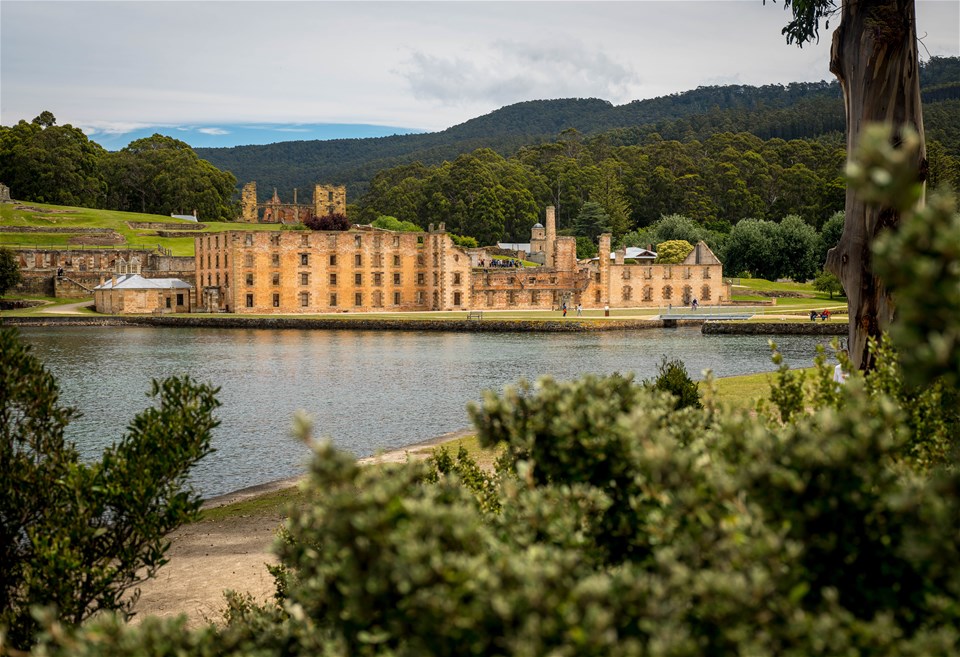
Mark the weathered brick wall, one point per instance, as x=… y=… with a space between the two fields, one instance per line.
x=140 y=302
x=329 y=199
x=360 y=270
x=248 y=203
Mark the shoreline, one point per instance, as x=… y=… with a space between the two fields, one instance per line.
x=414 y=451
x=572 y=325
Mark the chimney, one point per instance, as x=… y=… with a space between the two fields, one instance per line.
x=550 y=235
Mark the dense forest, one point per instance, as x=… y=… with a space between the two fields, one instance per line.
x=793 y=111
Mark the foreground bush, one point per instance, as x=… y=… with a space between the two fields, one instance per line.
x=76 y=538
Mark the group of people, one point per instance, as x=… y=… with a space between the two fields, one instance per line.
x=824 y=316
x=579 y=309
x=508 y=262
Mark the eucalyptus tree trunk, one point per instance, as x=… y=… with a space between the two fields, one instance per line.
x=874 y=56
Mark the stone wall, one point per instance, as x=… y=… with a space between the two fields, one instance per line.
x=84 y=269
x=776 y=328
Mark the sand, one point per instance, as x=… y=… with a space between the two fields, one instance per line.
x=210 y=557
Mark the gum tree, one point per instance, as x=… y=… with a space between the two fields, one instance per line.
x=874 y=56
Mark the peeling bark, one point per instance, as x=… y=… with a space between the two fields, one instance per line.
x=874 y=56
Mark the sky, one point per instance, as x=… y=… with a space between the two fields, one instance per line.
x=224 y=68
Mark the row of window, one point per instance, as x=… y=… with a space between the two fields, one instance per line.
x=333 y=278
x=666 y=293
x=358 y=297
x=331 y=240
x=305 y=260
x=667 y=273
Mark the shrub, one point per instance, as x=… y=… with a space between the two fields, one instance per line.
x=79 y=537
x=334 y=221
x=672 y=377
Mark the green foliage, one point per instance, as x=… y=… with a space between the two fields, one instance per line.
x=79 y=537
x=829 y=236
x=586 y=248
x=9 y=271
x=673 y=252
x=591 y=221
x=464 y=242
x=163 y=175
x=827 y=282
x=392 y=223
x=672 y=377
x=920 y=262
x=796 y=245
x=47 y=163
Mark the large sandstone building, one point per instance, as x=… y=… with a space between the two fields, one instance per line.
x=367 y=269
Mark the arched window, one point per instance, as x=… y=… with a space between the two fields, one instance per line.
x=667 y=293
x=705 y=293
x=648 y=293
x=687 y=294
x=627 y=292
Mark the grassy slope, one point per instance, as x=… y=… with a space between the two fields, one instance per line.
x=43 y=216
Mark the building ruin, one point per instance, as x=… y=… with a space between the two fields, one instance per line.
x=327 y=200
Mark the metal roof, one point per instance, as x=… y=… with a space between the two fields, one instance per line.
x=138 y=282
x=514 y=246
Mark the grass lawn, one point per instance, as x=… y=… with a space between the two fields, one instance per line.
x=54 y=216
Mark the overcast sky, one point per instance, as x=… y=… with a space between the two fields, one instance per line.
x=426 y=65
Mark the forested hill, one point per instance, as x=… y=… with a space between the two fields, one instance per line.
x=793 y=111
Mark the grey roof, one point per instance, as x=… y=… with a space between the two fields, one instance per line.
x=538 y=225
x=514 y=246
x=185 y=217
x=637 y=252
x=138 y=282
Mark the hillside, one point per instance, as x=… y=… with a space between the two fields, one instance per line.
x=793 y=111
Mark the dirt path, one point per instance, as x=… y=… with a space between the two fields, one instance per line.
x=210 y=557
x=66 y=308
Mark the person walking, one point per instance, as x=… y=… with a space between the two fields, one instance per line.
x=579 y=309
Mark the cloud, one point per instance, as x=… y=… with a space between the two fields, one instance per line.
x=213 y=131
x=111 y=127
x=513 y=71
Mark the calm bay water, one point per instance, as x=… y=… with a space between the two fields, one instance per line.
x=366 y=390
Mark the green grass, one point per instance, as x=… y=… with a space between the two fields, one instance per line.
x=43 y=216
x=774 y=286
x=274 y=503
x=743 y=391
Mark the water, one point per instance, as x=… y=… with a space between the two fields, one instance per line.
x=366 y=390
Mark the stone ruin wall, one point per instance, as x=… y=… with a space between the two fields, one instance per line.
x=327 y=199
x=84 y=269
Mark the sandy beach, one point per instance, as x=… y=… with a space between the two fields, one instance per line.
x=210 y=557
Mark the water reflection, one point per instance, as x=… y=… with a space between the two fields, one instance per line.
x=367 y=390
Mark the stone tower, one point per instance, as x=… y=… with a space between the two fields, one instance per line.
x=550 y=235
x=329 y=199
x=248 y=203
